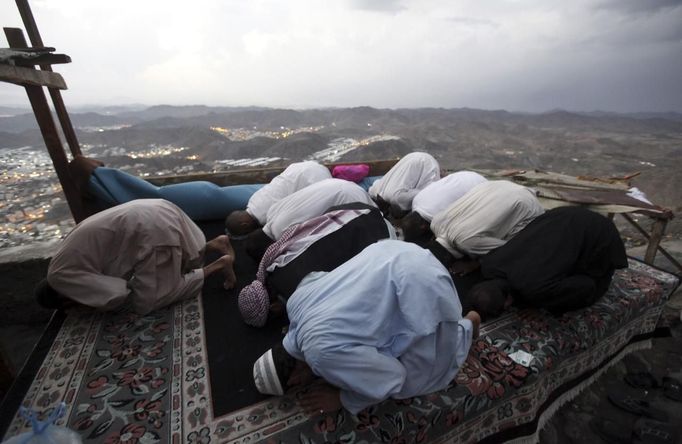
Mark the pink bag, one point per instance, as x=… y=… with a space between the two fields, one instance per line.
x=354 y=173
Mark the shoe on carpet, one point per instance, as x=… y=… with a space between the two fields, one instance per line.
x=637 y=406
x=648 y=431
x=672 y=388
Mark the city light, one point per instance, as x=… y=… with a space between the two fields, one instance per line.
x=29 y=190
x=32 y=204
x=242 y=134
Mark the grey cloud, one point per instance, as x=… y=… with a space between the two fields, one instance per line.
x=472 y=21
x=391 y=6
x=638 y=6
x=639 y=30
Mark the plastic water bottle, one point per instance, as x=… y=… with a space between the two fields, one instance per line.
x=45 y=432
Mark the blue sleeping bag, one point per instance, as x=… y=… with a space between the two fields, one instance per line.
x=199 y=199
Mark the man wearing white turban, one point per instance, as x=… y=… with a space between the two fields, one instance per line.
x=385 y=324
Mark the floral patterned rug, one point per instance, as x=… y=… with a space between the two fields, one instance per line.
x=130 y=379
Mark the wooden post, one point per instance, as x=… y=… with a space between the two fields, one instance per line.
x=648 y=238
x=41 y=109
x=55 y=94
x=657 y=230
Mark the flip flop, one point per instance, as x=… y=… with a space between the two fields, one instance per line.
x=648 y=431
x=641 y=380
x=637 y=406
x=672 y=388
x=610 y=431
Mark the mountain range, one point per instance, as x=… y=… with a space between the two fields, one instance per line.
x=595 y=144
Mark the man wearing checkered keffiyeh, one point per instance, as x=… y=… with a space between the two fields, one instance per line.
x=254 y=301
x=319 y=244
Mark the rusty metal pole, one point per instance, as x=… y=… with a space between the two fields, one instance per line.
x=55 y=94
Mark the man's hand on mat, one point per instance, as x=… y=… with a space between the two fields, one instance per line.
x=222 y=245
x=301 y=375
x=464 y=267
x=319 y=399
x=475 y=319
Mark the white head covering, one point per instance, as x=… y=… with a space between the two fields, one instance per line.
x=265 y=375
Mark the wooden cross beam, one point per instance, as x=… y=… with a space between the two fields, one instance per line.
x=23 y=76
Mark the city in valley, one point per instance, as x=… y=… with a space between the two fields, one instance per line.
x=166 y=140
x=32 y=205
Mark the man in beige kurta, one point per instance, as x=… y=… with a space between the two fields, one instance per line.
x=146 y=254
x=485 y=218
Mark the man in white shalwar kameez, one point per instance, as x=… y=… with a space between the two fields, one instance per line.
x=144 y=254
x=386 y=324
x=404 y=180
x=485 y=218
x=312 y=201
x=295 y=177
x=435 y=198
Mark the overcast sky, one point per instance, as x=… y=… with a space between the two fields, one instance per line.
x=534 y=55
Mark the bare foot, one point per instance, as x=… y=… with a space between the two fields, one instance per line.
x=221 y=244
x=475 y=319
x=226 y=264
x=228 y=270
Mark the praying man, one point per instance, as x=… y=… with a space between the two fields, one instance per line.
x=432 y=200
x=394 y=192
x=318 y=244
x=385 y=324
x=143 y=254
x=485 y=218
x=303 y=205
x=295 y=177
x=562 y=261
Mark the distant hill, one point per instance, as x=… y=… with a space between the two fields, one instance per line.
x=671 y=115
x=262 y=119
x=107 y=109
x=17 y=140
x=18 y=123
x=22 y=122
x=390 y=149
x=134 y=138
x=181 y=112
x=165 y=116
x=13 y=111
x=92 y=119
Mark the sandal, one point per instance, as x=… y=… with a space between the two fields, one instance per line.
x=672 y=388
x=647 y=431
x=637 y=406
x=643 y=380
